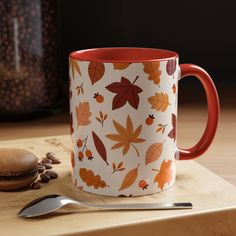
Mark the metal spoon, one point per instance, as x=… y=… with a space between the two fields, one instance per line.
x=49 y=203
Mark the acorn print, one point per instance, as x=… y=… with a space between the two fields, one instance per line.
x=150 y=119
x=143 y=184
x=99 y=98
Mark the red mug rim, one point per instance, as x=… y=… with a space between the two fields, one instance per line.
x=123 y=54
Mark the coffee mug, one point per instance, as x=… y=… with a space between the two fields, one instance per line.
x=123 y=111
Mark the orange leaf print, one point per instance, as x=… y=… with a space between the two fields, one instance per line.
x=126 y=136
x=96 y=71
x=153 y=69
x=120 y=65
x=88 y=177
x=74 y=65
x=130 y=178
x=153 y=153
x=83 y=113
x=160 y=101
x=164 y=175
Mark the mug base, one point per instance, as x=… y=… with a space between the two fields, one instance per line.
x=104 y=193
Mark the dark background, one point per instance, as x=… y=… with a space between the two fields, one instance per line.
x=202 y=32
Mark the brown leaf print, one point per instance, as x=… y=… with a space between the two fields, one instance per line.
x=83 y=113
x=125 y=92
x=153 y=153
x=119 y=167
x=88 y=177
x=101 y=118
x=172 y=133
x=171 y=67
x=80 y=89
x=126 y=136
x=120 y=65
x=100 y=147
x=161 y=128
x=164 y=174
x=74 y=65
x=129 y=178
x=71 y=124
x=153 y=69
x=160 y=101
x=96 y=71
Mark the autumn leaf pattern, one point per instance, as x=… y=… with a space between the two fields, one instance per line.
x=125 y=92
x=126 y=136
x=172 y=133
x=120 y=65
x=160 y=101
x=161 y=128
x=96 y=71
x=164 y=175
x=153 y=70
x=118 y=167
x=101 y=118
x=74 y=65
x=143 y=124
x=171 y=67
x=88 y=177
x=153 y=153
x=71 y=124
x=100 y=147
x=129 y=178
x=83 y=114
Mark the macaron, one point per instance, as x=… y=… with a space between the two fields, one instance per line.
x=18 y=168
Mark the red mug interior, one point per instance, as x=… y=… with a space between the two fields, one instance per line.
x=123 y=55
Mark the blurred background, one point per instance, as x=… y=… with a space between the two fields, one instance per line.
x=36 y=37
x=202 y=32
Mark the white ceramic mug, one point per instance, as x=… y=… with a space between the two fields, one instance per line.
x=123 y=109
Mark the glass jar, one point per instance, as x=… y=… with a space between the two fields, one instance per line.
x=29 y=57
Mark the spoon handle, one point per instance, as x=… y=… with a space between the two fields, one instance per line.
x=141 y=206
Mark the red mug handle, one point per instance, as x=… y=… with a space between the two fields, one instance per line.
x=213 y=111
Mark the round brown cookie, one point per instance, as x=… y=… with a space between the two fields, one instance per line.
x=18 y=168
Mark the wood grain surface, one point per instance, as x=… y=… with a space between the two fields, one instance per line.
x=213 y=198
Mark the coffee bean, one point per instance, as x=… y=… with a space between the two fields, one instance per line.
x=46 y=160
x=52 y=174
x=45 y=178
x=52 y=156
x=47 y=165
x=35 y=185
x=41 y=168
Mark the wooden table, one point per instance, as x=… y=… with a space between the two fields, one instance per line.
x=214 y=199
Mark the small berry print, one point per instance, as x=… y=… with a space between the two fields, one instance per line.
x=149 y=120
x=143 y=184
x=99 y=98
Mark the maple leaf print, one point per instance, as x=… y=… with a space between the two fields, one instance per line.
x=164 y=175
x=125 y=92
x=126 y=136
